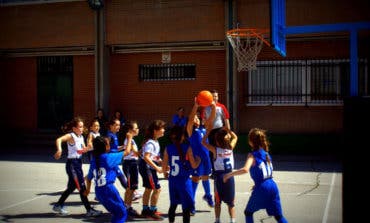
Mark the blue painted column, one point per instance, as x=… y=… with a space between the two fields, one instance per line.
x=353 y=63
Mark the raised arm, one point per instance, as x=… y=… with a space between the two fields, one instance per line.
x=209 y=122
x=208 y=146
x=193 y=112
x=234 y=139
x=128 y=146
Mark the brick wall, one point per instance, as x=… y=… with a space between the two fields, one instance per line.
x=18 y=79
x=145 y=101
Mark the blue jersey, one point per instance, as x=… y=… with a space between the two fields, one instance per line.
x=105 y=190
x=263 y=169
x=180 y=170
x=179 y=165
x=108 y=164
x=265 y=194
x=113 y=139
x=195 y=141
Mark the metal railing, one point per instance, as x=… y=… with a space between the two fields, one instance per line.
x=303 y=82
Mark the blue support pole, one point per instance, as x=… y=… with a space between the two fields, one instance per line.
x=353 y=29
x=353 y=63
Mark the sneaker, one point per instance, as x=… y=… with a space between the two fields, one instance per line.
x=136 y=195
x=209 y=200
x=60 y=209
x=145 y=213
x=93 y=213
x=155 y=216
x=192 y=212
x=132 y=212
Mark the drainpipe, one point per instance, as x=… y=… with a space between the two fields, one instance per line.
x=99 y=52
x=231 y=79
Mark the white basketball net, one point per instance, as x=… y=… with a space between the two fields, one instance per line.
x=246 y=48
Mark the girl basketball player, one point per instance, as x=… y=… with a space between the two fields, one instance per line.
x=76 y=146
x=114 y=127
x=149 y=165
x=196 y=131
x=103 y=169
x=179 y=157
x=94 y=132
x=265 y=194
x=130 y=164
x=225 y=142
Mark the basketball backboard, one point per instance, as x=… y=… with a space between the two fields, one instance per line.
x=278 y=26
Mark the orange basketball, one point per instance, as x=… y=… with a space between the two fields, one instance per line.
x=204 y=98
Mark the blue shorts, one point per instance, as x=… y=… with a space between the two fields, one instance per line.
x=224 y=192
x=204 y=168
x=181 y=192
x=131 y=170
x=265 y=196
x=149 y=176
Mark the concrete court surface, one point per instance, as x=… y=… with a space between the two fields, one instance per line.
x=310 y=190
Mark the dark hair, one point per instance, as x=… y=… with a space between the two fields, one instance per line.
x=257 y=139
x=220 y=139
x=93 y=121
x=99 y=145
x=129 y=125
x=67 y=127
x=112 y=121
x=155 y=125
x=177 y=134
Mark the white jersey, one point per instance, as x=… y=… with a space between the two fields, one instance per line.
x=224 y=160
x=220 y=116
x=132 y=155
x=75 y=150
x=152 y=147
x=94 y=134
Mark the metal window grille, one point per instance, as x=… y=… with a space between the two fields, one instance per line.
x=166 y=72
x=303 y=82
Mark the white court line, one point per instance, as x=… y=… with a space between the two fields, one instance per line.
x=290 y=194
x=22 y=202
x=325 y=218
x=31 y=190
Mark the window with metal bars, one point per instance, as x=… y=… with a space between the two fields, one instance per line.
x=166 y=72
x=304 y=82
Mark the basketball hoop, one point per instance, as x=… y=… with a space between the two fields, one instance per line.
x=247 y=44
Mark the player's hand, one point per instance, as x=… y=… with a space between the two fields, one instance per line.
x=129 y=135
x=159 y=170
x=83 y=150
x=58 y=154
x=196 y=102
x=86 y=192
x=165 y=174
x=226 y=177
x=197 y=160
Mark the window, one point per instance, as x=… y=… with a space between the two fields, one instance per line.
x=303 y=82
x=163 y=72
